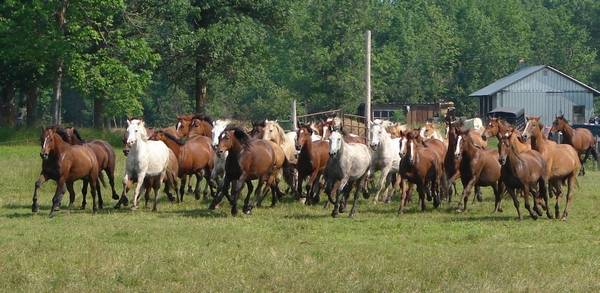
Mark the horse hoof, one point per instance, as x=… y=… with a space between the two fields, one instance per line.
x=479 y=198
x=400 y=213
x=351 y=215
x=134 y=208
x=115 y=196
x=82 y=207
x=459 y=211
x=335 y=215
x=534 y=217
x=35 y=208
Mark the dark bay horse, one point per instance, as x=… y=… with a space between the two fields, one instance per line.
x=580 y=139
x=195 y=157
x=562 y=161
x=202 y=124
x=65 y=164
x=105 y=154
x=478 y=166
x=248 y=159
x=421 y=165
x=522 y=169
x=312 y=161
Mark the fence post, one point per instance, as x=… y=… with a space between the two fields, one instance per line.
x=368 y=90
x=293 y=116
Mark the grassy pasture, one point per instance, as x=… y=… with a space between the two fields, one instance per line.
x=291 y=248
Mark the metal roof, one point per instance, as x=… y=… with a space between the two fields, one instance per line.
x=514 y=77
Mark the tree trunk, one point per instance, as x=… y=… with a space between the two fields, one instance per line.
x=57 y=94
x=32 y=94
x=99 y=112
x=58 y=73
x=7 y=105
x=201 y=83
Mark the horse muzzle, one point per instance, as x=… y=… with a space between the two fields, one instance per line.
x=502 y=161
x=220 y=153
x=457 y=156
x=374 y=146
x=44 y=155
x=485 y=137
x=411 y=161
x=126 y=152
x=298 y=147
x=402 y=154
x=525 y=136
x=333 y=154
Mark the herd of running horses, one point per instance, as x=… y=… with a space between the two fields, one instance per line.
x=322 y=157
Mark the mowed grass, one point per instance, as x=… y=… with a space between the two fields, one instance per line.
x=290 y=248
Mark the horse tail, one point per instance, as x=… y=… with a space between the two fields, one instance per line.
x=288 y=172
x=101 y=178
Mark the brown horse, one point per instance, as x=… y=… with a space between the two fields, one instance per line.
x=312 y=160
x=522 y=169
x=580 y=139
x=422 y=167
x=498 y=128
x=201 y=122
x=395 y=130
x=478 y=166
x=65 y=164
x=105 y=155
x=195 y=157
x=562 y=161
x=248 y=159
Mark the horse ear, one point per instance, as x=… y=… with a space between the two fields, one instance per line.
x=43 y=128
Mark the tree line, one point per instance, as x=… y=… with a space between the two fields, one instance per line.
x=94 y=62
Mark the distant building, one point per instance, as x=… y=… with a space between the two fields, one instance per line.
x=542 y=91
x=415 y=114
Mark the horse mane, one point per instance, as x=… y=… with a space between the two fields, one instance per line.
x=562 y=117
x=308 y=128
x=61 y=132
x=279 y=128
x=240 y=134
x=203 y=117
x=76 y=133
x=172 y=137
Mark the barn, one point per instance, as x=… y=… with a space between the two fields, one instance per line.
x=542 y=91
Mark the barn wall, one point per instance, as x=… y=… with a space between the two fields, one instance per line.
x=544 y=93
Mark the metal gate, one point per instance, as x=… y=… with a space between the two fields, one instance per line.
x=354 y=124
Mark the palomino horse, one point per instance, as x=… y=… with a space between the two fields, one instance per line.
x=562 y=161
x=105 y=155
x=195 y=156
x=430 y=131
x=522 y=169
x=478 y=167
x=146 y=159
x=248 y=159
x=395 y=130
x=498 y=128
x=312 y=161
x=580 y=139
x=202 y=123
x=65 y=164
x=420 y=166
x=348 y=163
x=385 y=158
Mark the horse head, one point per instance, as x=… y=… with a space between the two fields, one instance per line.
x=504 y=147
x=303 y=134
x=377 y=134
x=491 y=129
x=258 y=128
x=559 y=124
x=218 y=127
x=136 y=129
x=47 y=141
x=532 y=128
x=335 y=142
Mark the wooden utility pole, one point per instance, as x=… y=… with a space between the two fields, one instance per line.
x=293 y=116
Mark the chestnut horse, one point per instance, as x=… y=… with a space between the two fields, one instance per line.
x=65 y=164
x=420 y=166
x=522 y=169
x=498 y=128
x=195 y=157
x=248 y=159
x=105 y=155
x=312 y=161
x=478 y=166
x=581 y=139
x=562 y=161
x=201 y=122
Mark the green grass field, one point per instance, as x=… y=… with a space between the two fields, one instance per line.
x=291 y=248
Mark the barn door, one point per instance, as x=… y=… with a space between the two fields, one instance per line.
x=579 y=114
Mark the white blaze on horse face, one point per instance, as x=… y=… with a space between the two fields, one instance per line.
x=403 y=146
x=45 y=142
x=423 y=131
x=179 y=125
x=447 y=130
x=457 y=150
x=412 y=151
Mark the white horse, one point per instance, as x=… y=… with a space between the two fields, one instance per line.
x=348 y=163
x=219 y=166
x=146 y=159
x=385 y=158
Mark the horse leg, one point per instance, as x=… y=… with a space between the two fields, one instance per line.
x=249 y=205
x=477 y=194
x=72 y=195
x=338 y=201
x=61 y=188
x=197 y=188
x=84 y=189
x=310 y=187
x=316 y=189
x=110 y=172
x=219 y=196
x=572 y=180
x=184 y=178
x=236 y=193
x=380 y=184
x=99 y=195
x=582 y=159
x=465 y=196
x=403 y=196
x=526 y=194
x=595 y=156
x=127 y=182
x=156 y=187
x=136 y=192
x=497 y=187
x=94 y=187
x=35 y=207
x=359 y=185
x=421 y=190
x=512 y=193
x=345 y=197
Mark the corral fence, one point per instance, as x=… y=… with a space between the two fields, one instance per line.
x=355 y=124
